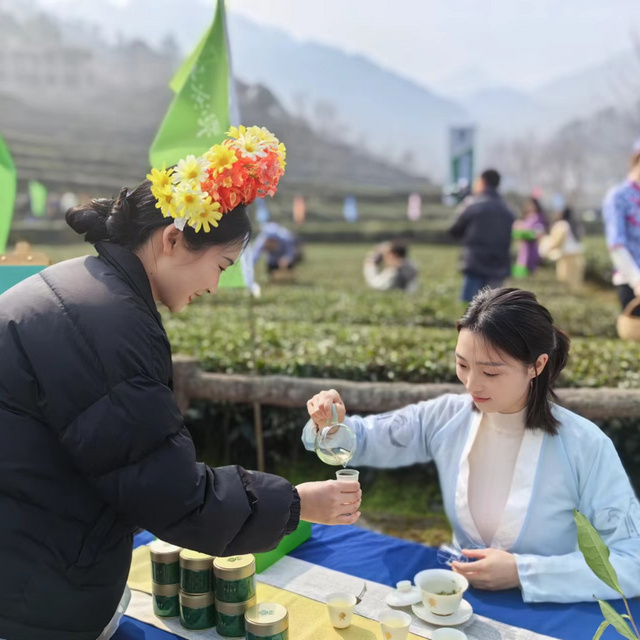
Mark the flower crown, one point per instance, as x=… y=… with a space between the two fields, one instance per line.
x=199 y=191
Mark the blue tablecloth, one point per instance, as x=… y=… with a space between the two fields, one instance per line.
x=372 y=556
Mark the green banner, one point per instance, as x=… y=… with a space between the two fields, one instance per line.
x=8 y=185
x=37 y=198
x=198 y=117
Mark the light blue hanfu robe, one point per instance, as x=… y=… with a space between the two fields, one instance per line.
x=577 y=469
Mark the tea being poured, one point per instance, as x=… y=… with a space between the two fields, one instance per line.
x=336 y=443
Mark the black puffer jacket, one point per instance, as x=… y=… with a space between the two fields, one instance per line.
x=485 y=230
x=92 y=446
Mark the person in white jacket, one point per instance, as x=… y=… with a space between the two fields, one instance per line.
x=513 y=465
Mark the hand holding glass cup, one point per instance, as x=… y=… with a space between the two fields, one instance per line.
x=448 y=554
x=336 y=443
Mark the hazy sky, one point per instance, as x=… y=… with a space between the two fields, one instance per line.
x=523 y=43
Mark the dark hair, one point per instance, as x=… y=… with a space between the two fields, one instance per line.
x=568 y=216
x=131 y=219
x=399 y=248
x=539 y=210
x=514 y=322
x=491 y=178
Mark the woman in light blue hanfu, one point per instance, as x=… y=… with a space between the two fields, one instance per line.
x=513 y=465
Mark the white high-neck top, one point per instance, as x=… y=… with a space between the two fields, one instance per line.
x=492 y=461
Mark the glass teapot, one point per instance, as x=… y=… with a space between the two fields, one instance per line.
x=336 y=443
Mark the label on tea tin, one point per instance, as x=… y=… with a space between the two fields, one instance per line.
x=267 y=620
x=235 y=590
x=165 y=573
x=196 y=572
x=234 y=567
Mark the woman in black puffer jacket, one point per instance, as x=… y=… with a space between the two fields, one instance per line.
x=92 y=444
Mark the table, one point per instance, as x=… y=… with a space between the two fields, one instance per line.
x=384 y=559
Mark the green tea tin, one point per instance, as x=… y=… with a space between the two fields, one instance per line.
x=235 y=578
x=230 y=617
x=166 y=601
x=267 y=621
x=197 y=611
x=165 y=562
x=196 y=572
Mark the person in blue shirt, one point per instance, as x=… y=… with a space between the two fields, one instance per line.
x=621 y=213
x=280 y=246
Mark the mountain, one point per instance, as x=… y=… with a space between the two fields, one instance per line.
x=348 y=99
x=344 y=97
x=503 y=111
x=348 y=94
x=613 y=83
x=464 y=82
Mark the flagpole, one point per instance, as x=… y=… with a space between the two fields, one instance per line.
x=234 y=118
x=257 y=407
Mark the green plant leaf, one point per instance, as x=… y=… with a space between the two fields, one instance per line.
x=616 y=620
x=600 y=630
x=595 y=552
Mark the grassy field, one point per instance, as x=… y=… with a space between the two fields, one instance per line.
x=326 y=323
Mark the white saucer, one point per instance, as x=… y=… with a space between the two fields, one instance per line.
x=399 y=598
x=464 y=612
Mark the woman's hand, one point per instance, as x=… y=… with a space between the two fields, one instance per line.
x=494 y=570
x=319 y=407
x=330 y=502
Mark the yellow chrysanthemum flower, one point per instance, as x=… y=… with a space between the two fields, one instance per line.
x=190 y=169
x=236 y=132
x=188 y=201
x=221 y=157
x=282 y=153
x=166 y=202
x=160 y=179
x=262 y=133
x=208 y=215
x=251 y=146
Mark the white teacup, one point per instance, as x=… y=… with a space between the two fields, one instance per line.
x=341 y=606
x=350 y=475
x=395 y=625
x=442 y=590
x=448 y=634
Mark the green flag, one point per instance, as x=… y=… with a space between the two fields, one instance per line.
x=37 y=198
x=199 y=114
x=181 y=75
x=8 y=181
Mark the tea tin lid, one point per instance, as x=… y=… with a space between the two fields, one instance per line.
x=198 y=601
x=234 y=567
x=235 y=608
x=169 y=590
x=164 y=553
x=194 y=560
x=266 y=619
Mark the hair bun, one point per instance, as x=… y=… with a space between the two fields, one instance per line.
x=91 y=219
x=102 y=218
